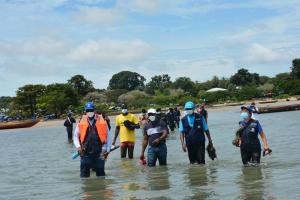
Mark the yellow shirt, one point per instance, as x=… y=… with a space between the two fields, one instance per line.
x=126 y=135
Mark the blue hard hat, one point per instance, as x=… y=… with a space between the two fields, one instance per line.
x=189 y=105
x=89 y=106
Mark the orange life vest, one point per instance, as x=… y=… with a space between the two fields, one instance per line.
x=100 y=124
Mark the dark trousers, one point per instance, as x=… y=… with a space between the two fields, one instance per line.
x=250 y=155
x=196 y=152
x=70 y=133
x=91 y=161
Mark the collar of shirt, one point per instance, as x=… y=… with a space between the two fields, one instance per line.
x=91 y=121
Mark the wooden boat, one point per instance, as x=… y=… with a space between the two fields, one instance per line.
x=283 y=108
x=18 y=124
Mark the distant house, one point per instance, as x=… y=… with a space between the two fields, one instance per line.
x=216 y=90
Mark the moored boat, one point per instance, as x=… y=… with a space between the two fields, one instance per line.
x=18 y=124
x=282 y=108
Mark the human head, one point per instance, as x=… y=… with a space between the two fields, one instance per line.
x=90 y=109
x=144 y=111
x=69 y=114
x=246 y=113
x=151 y=114
x=171 y=109
x=189 y=107
x=124 y=109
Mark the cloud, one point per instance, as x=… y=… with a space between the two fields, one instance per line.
x=111 y=51
x=258 y=53
x=144 y=6
x=197 y=70
x=43 y=46
x=99 y=16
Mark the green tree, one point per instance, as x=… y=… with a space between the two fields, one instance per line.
x=296 y=69
x=5 y=104
x=185 y=84
x=95 y=97
x=113 y=95
x=160 y=82
x=126 y=80
x=58 y=99
x=81 y=85
x=26 y=98
x=244 y=77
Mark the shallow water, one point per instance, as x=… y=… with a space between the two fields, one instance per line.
x=36 y=164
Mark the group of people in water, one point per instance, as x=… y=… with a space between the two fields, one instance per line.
x=93 y=140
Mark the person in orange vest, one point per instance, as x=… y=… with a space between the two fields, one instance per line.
x=93 y=142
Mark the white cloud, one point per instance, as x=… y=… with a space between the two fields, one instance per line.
x=99 y=16
x=43 y=46
x=111 y=51
x=258 y=53
x=197 y=70
x=145 y=6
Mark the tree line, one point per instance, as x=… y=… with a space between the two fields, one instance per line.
x=131 y=88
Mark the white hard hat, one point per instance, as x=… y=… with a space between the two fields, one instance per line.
x=152 y=111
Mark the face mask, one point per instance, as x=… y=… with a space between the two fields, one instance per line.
x=124 y=111
x=189 y=112
x=244 y=116
x=152 y=118
x=90 y=114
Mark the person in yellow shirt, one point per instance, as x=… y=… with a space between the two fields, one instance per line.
x=126 y=123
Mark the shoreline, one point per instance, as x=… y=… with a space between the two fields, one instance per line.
x=215 y=108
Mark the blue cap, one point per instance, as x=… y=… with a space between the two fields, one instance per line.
x=89 y=106
x=189 y=105
x=247 y=108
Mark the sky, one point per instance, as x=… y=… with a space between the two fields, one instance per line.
x=49 y=41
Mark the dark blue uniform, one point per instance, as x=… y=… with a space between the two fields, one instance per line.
x=193 y=127
x=250 y=146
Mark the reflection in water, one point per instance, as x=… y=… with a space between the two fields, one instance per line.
x=198 y=181
x=251 y=182
x=158 y=178
x=97 y=189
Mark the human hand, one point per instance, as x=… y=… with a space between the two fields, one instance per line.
x=80 y=151
x=267 y=151
x=105 y=155
x=156 y=141
x=184 y=147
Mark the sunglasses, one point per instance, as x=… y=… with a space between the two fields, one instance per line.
x=89 y=110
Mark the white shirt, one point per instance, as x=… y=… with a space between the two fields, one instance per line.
x=105 y=147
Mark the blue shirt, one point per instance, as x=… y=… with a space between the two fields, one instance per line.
x=191 y=119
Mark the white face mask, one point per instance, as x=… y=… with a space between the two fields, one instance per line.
x=90 y=114
x=189 y=112
x=152 y=118
x=124 y=111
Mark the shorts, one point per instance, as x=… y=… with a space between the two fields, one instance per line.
x=127 y=144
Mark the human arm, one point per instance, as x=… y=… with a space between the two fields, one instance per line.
x=117 y=131
x=76 y=140
x=144 y=146
x=163 y=136
x=107 y=146
x=206 y=130
x=182 y=139
x=136 y=122
x=264 y=140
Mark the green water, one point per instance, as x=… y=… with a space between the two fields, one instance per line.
x=36 y=164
